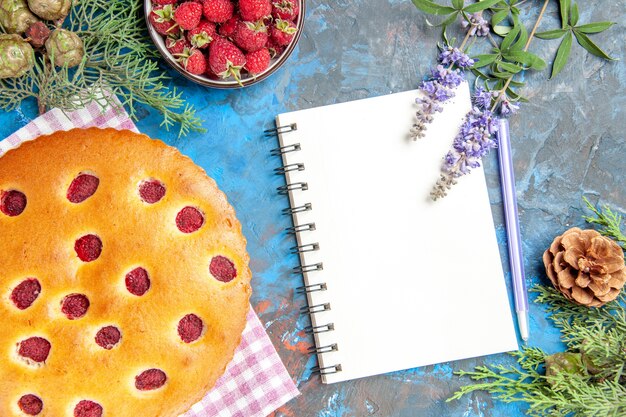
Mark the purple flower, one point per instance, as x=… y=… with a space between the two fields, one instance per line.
x=478 y=26
x=453 y=56
x=482 y=98
x=474 y=140
x=508 y=108
x=447 y=77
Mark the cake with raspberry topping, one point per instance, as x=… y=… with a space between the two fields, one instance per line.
x=124 y=278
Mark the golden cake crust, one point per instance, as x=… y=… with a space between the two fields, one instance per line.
x=40 y=243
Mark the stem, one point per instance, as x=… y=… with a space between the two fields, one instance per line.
x=530 y=38
x=467 y=36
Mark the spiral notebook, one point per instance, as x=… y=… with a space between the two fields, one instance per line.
x=393 y=279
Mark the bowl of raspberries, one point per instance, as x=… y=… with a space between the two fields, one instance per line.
x=225 y=43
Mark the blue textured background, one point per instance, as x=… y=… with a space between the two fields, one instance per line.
x=568 y=142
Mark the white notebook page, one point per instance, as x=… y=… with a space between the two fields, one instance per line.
x=410 y=282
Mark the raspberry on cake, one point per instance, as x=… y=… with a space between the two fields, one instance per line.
x=125 y=278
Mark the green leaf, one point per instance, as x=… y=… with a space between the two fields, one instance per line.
x=507 y=66
x=481 y=5
x=499 y=17
x=458 y=4
x=551 y=34
x=521 y=41
x=484 y=60
x=564 y=5
x=528 y=59
x=562 y=54
x=432 y=8
x=502 y=30
x=574 y=14
x=480 y=74
x=586 y=43
x=449 y=20
x=594 y=27
x=510 y=37
x=504 y=75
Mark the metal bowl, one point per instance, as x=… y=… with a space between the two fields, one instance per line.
x=230 y=82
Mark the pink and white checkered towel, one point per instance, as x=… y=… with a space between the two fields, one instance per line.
x=255 y=382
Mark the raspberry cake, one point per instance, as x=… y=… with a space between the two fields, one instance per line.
x=124 y=278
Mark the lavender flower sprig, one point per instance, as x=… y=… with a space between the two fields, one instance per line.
x=475 y=139
x=439 y=88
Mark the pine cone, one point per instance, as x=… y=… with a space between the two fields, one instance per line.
x=66 y=47
x=16 y=56
x=586 y=267
x=15 y=17
x=50 y=9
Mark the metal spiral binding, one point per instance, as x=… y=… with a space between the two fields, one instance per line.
x=287 y=168
x=285 y=189
x=327 y=370
x=308 y=227
x=303 y=248
x=310 y=247
x=306 y=289
x=281 y=129
x=319 y=329
x=299 y=209
x=323 y=349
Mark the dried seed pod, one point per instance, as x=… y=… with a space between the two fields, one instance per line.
x=15 y=17
x=37 y=34
x=65 y=47
x=16 y=56
x=50 y=9
x=586 y=267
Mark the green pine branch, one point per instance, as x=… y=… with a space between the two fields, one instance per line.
x=609 y=221
x=119 y=58
x=589 y=379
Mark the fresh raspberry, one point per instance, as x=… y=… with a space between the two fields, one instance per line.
x=218 y=11
x=26 y=292
x=225 y=59
x=285 y=9
x=108 y=337
x=274 y=48
x=30 y=404
x=209 y=72
x=162 y=19
x=227 y=29
x=176 y=47
x=189 y=219
x=282 y=32
x=86 y=408
x=153 y=191
x=164 y=2
x=137 y=281
x=223 y=269
x=202 y=35
x=150 y=379
x=251 y=36
x=34 y=348
x=75 y=306
x=88 y=248
x=83 y=187
x=193 y=61
x=188 y=15
x=12 y=203
x=190 y=328
x=253 y=10
x=257 y=61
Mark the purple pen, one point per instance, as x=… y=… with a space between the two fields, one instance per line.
x=516 y=257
